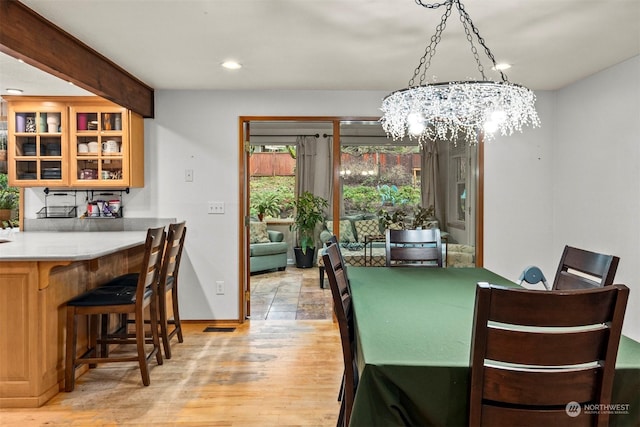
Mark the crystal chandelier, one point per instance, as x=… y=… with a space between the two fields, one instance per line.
x=457 y=109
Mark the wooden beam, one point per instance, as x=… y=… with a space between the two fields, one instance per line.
x=28 y=36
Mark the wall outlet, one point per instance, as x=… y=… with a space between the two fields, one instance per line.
x=219 y=287
x=215 y=208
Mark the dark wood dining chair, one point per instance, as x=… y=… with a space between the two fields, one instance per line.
x=538 y=357
x=413 y=248
x=113 y=299
x=575 y=264
x=167 y=286
x=344 y=314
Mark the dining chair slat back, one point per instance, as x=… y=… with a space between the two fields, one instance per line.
x=342 y=303
x=413 y=248
x=582 y=269
x=538 y=357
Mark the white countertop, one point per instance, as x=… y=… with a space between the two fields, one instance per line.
x=71 y=246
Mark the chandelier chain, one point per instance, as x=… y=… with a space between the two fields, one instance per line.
x=430 y=50
x=487 y=51
x=474 y=50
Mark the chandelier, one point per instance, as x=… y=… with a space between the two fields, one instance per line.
x=457 y=109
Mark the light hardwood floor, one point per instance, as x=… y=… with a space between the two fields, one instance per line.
x=265 y=373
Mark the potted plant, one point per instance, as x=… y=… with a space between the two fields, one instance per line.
x=9 y=197
x=267 y=204
x=309 y=212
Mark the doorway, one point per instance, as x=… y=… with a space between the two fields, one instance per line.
x=343 y=132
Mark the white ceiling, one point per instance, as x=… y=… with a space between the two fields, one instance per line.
x=335 y=44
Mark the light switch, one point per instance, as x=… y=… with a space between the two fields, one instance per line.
x=215 y=208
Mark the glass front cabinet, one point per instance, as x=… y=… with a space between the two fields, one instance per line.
x=37 y=144
x=97 y=144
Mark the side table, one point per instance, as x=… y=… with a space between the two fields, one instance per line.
x=368 y=241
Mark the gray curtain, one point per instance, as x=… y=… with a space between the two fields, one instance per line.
x=431 y=189
x=306 y=149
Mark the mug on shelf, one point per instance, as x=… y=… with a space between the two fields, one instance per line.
x=53 y=122
x=93 y=146
x=111 y=146
x=83 y=147
x=82 y=121
x=21 y=122
x=105 y=175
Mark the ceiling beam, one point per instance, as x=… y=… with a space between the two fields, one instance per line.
x=28 y=36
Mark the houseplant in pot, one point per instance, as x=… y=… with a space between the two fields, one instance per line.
x=9 y=197
x=267 y=204
x=309 y=212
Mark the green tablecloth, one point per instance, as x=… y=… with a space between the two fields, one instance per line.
x=413 y=329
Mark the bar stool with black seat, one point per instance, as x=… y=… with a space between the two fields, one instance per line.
x=113 y=299
x=167 y=283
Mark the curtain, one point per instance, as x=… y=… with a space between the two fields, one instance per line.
x=430 y=181
x=306 y=149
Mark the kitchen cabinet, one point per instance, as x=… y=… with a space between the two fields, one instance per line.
x=105 y=147
x=37 y=146
x=99 y=144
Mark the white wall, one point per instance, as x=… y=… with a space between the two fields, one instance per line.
x=596 y=173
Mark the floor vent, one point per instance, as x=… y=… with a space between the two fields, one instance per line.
x=215 y=329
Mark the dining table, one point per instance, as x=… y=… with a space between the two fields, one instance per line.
x=413 y=341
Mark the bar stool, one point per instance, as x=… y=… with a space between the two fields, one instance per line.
x=167 y=282
x=121 y=300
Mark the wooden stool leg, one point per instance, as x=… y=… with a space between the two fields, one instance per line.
x=176 y=313
x=70 y=356
x=104 y=335
x=155 y=338
x=162 y=302
x=142 y=358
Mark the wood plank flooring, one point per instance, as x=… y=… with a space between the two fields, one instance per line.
x=265 y=373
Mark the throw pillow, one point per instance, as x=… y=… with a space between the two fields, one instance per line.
x=258 y=232
x=346 y=231
x=367 y=227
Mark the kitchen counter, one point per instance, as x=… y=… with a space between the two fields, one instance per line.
x=67 y=246
x=39 y=273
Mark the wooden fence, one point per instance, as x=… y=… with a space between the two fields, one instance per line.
x=282 y=164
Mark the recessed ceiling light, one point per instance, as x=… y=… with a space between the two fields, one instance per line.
x=14 y=91
x=231 y=65
x=502 y=66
